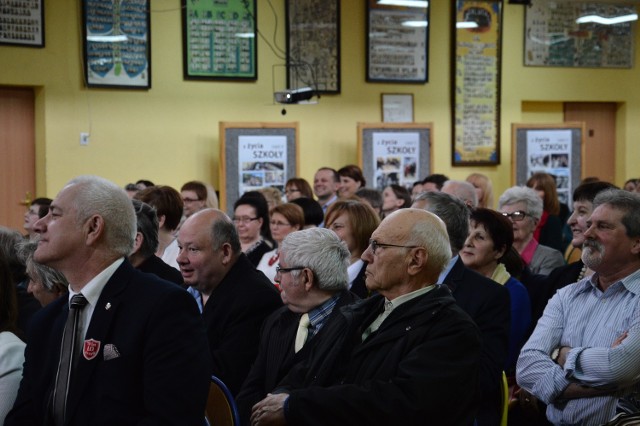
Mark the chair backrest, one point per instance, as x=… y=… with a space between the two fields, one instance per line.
x=221 y=408
x=505 y=400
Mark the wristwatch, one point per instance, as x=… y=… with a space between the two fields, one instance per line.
x=555 y=354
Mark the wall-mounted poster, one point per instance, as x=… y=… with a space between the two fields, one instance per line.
x=555 y=149
x=313 y=45
x=579 y=34
x=219 y=39
x=394 y=153
x=117 y=50
x=22 y=23
x=254 y=156
x=398 y=42
x=476 y=82
x=263 y=161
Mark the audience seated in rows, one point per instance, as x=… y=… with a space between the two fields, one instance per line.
x=368 y=369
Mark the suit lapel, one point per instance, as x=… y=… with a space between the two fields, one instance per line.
x=99 y=326
x=455 y=276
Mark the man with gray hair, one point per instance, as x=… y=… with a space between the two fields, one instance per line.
x=463 y=190
x=125 y=347
x=486 y=301
x=407 y=355
x=583 y=358
x=313 y=280
x=235 y=297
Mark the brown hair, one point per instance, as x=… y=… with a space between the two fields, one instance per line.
x=292 y=212
x=302 y=186
x=363 y=220
x=545 y=182
x=354 y=172
x=196 y=186
x=166 y=200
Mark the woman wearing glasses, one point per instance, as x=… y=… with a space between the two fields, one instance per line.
x=296 y=188
x=354 y=222
x=285 y=219
x=524 y=207
x=251 y=218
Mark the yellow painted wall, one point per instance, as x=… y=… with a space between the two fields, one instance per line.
x=169 y=134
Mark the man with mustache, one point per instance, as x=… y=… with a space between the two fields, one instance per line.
x=583 y=359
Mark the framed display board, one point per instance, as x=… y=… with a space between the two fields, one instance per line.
x=255 y=155
x=397 y=107
x=394 y=153
x=313 y=45
x=219 y=40
x=22 y=23
x=556 y=149
x=397 y=42
x=564 y=34
x=476 y=82
x=117 y=43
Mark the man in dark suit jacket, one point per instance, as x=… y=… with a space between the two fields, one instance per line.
x=407 y=356
x=318 y=289
x=235 y=297
x=486 y=302
x=144 y=358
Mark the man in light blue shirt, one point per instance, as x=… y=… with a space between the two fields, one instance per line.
x=584 y=355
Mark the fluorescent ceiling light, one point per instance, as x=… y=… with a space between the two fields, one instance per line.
x=466 y=24
x=245 y=35
x=408 y=3
x=108 y=39
x=607 y=21
x=415 y=24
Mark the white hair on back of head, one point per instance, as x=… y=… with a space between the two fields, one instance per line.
x=96 y=195
x=435 y=239
x=322 y=251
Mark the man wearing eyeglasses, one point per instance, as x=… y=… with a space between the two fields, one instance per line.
x=408 y=355
x=312 y=275
x=233 y=296
x=486 y=301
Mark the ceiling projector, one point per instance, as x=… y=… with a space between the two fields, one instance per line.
x=294 y=96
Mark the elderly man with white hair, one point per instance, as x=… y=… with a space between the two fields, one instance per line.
x=408 y=355
x=313 y=280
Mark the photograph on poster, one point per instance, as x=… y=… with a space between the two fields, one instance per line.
x=549 y=151
x=396 y=158
x=272 y=150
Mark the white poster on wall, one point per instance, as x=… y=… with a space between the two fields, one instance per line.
x=396 y=157
x=550 y=152
x=262 y=161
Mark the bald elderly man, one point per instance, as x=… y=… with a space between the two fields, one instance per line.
x=407 y=355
